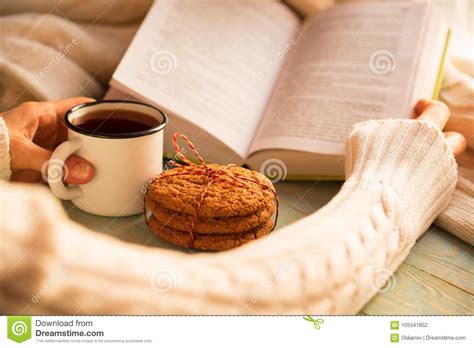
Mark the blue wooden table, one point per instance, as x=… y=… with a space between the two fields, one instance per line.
x=436 y=278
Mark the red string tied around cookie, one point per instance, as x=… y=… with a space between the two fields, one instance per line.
x=213 y=175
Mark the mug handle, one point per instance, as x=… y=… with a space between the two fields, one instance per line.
x=60 y=154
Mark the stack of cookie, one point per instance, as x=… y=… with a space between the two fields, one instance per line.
x=229 y=214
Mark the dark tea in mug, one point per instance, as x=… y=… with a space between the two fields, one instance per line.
x=115 y=122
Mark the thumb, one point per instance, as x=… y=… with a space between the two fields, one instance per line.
x=76 y=170
x=456 y=142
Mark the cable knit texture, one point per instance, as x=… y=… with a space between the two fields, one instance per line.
x=96 y=35
x=5 y=168
x=457 y=92
x=331 y=262
x=458 y=217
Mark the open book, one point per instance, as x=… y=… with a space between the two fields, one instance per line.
x=248 y=82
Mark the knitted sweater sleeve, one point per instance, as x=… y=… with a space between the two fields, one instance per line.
x=5 y=170
x=402 y=175
x=458 y=217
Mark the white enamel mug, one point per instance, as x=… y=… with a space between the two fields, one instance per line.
x=123 y=163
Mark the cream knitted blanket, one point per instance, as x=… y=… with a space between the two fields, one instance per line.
x=332 y=261
x=403 y=176
x=76 y=47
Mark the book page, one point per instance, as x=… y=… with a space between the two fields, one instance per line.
x=352 y=63
x=428 y=78
x=213 y=63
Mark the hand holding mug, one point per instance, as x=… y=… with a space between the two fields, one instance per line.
x=124 y=142
x=106 y=167
x=35 y=129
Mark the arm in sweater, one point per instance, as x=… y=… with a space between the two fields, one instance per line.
x=5 y=168
x=333 y=261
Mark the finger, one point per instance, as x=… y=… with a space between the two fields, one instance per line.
x=77 y=171
x=27 y=175
x=50 y=132
x=421 y=106
x=435 y=112
x=456 y=142
x=60 y=107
